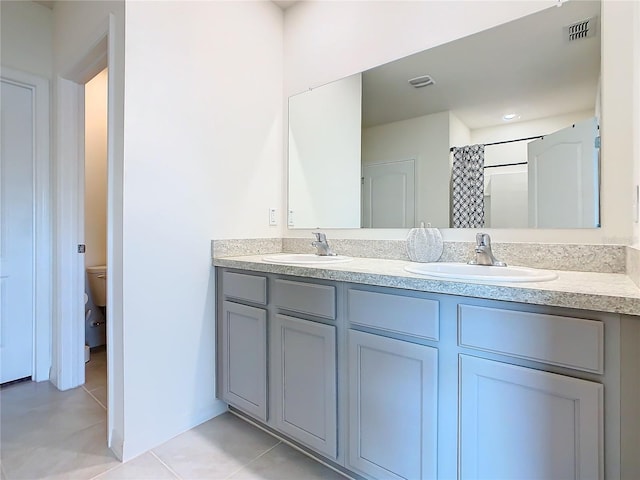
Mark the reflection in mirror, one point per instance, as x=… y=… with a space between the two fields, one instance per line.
x=526 y=92
x=324 y=156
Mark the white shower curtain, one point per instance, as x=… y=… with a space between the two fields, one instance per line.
x=468 y=187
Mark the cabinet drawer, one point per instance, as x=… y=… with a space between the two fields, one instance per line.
x=418 y=317
x=565 y=341
x=251 y=288
x=309 y=298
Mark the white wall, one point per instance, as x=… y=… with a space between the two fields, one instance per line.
x=425 y=139
x=27 y=30
x=517 y=151
x=368 y=33
x=459 y=133
x=636 y=125
x=324 y=138
x=95 y=170
x=203 y=160
x=616 y=129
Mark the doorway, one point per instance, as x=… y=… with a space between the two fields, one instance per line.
x=95 y=233
x=95 y=208
x=106 y=50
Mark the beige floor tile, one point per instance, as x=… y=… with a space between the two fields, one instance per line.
x=46 y=424
x=144 y=467
x=80 y=456
x=285 y=463
x=100 y=395
x=215 y=449
x=95 y=371
x=22 y=397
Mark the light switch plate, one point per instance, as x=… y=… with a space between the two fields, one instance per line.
x=290 y=218
x=272 y=216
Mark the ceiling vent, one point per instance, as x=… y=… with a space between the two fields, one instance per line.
x=421 y=81
x=582 y=29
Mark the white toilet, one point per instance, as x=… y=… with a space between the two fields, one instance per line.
x=87 y=313
x=98 y=284
x=97 y=280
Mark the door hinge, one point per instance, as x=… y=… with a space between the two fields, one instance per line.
x=81 y=248
x=597 y=142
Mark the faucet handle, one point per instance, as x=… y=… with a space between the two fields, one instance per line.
x=320 y=237
x=483 y=240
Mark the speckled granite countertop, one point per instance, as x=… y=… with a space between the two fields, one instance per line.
x=603 y=292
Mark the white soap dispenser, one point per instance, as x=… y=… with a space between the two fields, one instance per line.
x=424 y=244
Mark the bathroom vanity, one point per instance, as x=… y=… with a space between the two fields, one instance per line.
x=386 y=374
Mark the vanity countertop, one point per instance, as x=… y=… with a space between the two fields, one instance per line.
x=603 y=292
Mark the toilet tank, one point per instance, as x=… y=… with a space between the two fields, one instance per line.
x=98 y=284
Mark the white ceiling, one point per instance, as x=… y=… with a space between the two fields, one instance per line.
x=525 y=66
x=284 y=4
x=45 y=3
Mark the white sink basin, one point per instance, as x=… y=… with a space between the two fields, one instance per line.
x=305 y=259
x=463 y=271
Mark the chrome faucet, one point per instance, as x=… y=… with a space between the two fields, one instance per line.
x=484 y=256
x=324 y=250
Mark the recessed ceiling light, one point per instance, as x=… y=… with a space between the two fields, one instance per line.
x=510 y=116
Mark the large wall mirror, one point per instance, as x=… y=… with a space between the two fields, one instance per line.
x=498 y=129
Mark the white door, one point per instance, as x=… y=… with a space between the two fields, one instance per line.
x=520 y=423
x=388 y=195
x=17 y=232
x=563 y=178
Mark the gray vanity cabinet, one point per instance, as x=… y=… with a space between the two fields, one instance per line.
x=519 y=422
x=244 y=358
x=303 y=355
x=397 y=384
x=393 y=393
x=303 y=363
x=393 y=384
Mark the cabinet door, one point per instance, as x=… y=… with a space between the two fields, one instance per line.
x=304 y=355
x=518 y=423
x=392 y=407
x=244 y=358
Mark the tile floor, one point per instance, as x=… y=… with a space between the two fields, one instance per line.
x=48 y=434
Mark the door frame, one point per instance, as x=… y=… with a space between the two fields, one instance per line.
x=105 y=48
x=69 y=279
x=42 y=269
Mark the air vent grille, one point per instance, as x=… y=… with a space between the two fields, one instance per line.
x=579 y=30
x=421 y=81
